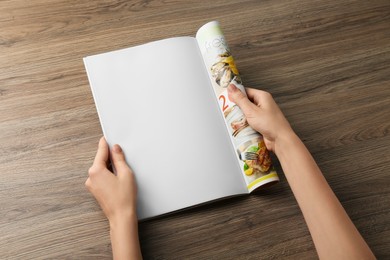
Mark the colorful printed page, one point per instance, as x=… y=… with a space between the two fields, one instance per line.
x=254 y=158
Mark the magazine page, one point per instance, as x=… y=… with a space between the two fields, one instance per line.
x=148 y=99
x=254 y=158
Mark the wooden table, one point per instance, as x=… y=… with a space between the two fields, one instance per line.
x=327 y=63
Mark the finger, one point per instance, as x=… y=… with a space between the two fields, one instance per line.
x=255 y=95
x=119 y=161
x=88 y=184
x=241 y=100
x=102 y=153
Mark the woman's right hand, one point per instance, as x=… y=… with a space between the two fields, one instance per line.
x=262 y=114
x=318 y=203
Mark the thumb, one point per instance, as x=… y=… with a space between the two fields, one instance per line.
x=241 y=100
x=118 y=159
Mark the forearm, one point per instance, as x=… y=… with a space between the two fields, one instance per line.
x=124 y=238
x=333 y=233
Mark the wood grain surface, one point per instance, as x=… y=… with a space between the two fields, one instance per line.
x=327 y=63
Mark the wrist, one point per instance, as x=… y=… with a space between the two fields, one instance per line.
x=285 y=142
x=122 y=220
x=124 y=236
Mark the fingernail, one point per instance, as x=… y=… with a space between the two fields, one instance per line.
x=231 y=88
x=117 y=148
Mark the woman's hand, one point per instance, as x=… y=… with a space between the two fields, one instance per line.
x=333 y=233
x=116 y=195
x=262 y=114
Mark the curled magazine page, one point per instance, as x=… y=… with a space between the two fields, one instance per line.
x=254 y=158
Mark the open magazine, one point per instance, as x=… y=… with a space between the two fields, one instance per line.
x=166 y=104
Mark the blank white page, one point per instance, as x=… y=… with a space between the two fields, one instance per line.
x=156 y=101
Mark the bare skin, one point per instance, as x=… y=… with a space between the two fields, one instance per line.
x=116 y=195
x=333 y=233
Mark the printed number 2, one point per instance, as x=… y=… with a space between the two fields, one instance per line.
x=224 y=105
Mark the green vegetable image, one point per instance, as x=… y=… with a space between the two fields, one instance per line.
x=253 y=149
x=246 y=167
